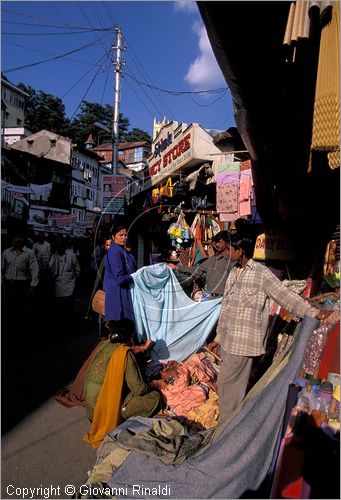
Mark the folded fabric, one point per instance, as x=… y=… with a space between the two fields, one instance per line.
x=227 y=178
x=228 y=167
x=108 y=406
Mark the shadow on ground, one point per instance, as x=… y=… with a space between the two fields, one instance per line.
x=38 y=361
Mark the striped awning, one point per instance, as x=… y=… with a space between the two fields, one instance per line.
x=326 y=125
x=302 y=20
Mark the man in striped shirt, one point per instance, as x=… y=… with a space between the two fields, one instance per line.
x=244 y=319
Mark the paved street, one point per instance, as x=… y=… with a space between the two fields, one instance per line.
x=42 y=444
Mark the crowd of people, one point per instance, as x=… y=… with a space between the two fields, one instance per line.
x=114 y=385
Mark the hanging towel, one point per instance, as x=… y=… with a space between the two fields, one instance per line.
x=164 y=313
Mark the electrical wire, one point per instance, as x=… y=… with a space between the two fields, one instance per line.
x=60 y=33
x=87 y=90
x=65 y=24
x=151 y=100
x=51 y=59
x=86 y=17
x=105 y=84
x=53 y=4
x=100 y=66
x=178 y=92
x=211 y=103
x=53 y=26
x=44 y=53
x=140 y=67
x=144 y=104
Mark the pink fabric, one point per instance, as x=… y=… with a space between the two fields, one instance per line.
x=228 y=217
x=200 y=368
x=245 y=189
x=245 y=208
x=227 y=178
x=227 y=198
x=245 y=196
x=180 y=396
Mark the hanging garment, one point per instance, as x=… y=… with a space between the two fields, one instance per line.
x=163 y=312
x=245 y=196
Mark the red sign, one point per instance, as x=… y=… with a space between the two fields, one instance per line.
x=171 y=155
x=114 y=186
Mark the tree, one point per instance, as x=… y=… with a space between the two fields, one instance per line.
x=91 y=112
x=136 y=135
x=44 y=111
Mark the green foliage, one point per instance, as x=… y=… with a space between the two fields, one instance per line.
x=136 y=135
x=44 y=111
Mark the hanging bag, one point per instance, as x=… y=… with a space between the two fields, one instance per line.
x=167 y=189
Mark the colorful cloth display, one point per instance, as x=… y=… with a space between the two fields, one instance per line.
x=164 y=313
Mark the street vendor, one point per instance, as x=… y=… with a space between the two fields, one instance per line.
x=243 y=319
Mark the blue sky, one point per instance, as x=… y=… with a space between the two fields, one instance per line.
x=167 y=47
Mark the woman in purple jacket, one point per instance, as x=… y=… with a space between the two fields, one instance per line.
x=119 y=265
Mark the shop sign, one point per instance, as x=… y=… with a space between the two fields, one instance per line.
x=62 y=220
x=113 y=205
x=273 y=245
x=162 y=145
x=171 y=158
x=17 y=209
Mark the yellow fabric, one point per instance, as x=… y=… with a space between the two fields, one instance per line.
x=108 y=405
x=326 y=127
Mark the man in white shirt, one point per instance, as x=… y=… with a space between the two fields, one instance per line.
x=20 y=276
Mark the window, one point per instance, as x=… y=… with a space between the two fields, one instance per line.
x=19 y=122
x=138 y=154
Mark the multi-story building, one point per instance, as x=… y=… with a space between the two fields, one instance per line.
x=80 y=174
x=132 y=163
x=13 y=106
x=85 y=176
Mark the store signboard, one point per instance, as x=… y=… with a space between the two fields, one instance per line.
x=169 y=154
x=114 y=187
x=273 y=245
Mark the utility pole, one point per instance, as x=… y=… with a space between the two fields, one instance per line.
x=118 y=70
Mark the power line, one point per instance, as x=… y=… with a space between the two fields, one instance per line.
x=149 y=98
x=60 y=33
x=106 y=81
x=51 y=59
x=208 y=104
x=141 y=68
x=86 y=17
x=178 y=92
x=63 y=19
x=144 y=104
x=44 y=53
x=100 y=66
x=54 y=26
x=87 y=90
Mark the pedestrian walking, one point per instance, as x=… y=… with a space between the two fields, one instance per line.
x=42 y=251
x=20 y=276
x=64 y=269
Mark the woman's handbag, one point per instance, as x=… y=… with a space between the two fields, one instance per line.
x=98 y=302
